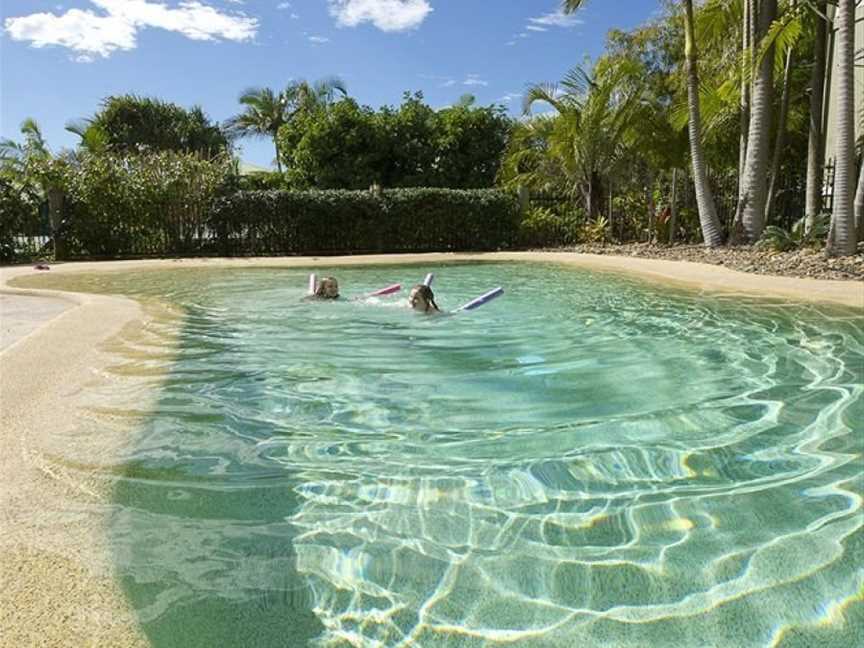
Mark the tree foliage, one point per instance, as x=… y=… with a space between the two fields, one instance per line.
x=132 y=124
x=349 y=146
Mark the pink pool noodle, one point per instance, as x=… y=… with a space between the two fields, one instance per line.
x=312 y=283
x=389 y=290
x=482 y=299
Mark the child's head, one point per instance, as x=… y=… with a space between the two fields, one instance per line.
x=422 y=298
x=328 y=288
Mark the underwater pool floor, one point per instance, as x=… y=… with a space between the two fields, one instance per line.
x=585 y=461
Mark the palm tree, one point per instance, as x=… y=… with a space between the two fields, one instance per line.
x=711 y=232
x=754 y=188
x=93 y=138
x=595 y=115
x=704 y=197
x=843 y=241
x=815 y=146
x=266 y=111
x=14 y=155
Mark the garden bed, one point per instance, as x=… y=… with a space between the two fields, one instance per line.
x=806 y=263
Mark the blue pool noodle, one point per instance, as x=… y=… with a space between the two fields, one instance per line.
x=482 y=299
x=428 y=280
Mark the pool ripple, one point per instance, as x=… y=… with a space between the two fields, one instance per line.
x=589 y=461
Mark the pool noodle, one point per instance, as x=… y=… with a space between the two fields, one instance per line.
x=389 y=290
x=428 y=280
x=482 y=299
x=312 y=283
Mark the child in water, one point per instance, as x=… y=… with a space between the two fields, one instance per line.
x=422 y=299
x=327 y=288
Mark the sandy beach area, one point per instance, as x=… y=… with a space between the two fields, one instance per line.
x=56 y=582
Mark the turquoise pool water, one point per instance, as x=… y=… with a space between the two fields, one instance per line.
x=587 y=461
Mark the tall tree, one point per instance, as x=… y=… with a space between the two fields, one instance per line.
x=266 y=111
x=843 y=241
x=815 y=148
x=780 y=137
x=711 y=232
x=753 y=196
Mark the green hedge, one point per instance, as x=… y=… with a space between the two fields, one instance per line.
x=339 y=221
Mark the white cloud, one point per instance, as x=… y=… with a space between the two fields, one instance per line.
x=449 y=83
x=386 y=15
x=318 y=39
x=474 y=80
x=283 y=5
x=294 y=16
x=116 y=26
x=536 y=28
x=509 y=97
x=556 y=19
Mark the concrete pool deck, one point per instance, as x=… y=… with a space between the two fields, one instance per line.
x=56 y=583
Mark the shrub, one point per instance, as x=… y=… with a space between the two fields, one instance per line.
x=19 y=217
x=262 y=181
x=542 y=227
x=139 y=204
x=595 y=231
x=780 y=240
x=341 y=221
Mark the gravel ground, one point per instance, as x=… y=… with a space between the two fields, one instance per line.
x=808 y=263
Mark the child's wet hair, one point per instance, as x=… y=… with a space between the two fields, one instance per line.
x=426 y=293
x=320 y=288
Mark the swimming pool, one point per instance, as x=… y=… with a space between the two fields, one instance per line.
x=588 y=460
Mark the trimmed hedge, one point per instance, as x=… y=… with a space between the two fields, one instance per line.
x=339 y=221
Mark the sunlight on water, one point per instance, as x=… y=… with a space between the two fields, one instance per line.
x=586 y=461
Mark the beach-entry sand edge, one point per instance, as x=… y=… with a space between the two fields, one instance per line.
x=58 y=587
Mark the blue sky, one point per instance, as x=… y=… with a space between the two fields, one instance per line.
x=58 y=59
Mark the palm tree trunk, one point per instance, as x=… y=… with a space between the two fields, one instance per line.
x=843 y=218
x=758 y=140
x=711 y=232
x=278 y=161
x=781 y=137
x=745 y=94
x=815 y=147
x=859 y=205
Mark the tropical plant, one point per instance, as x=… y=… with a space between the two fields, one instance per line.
x=266 y=111
x=595 y=231
x=711 y=231
x=542 y=227
x=129 y=124
x=781 y=240
x=595 y=116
